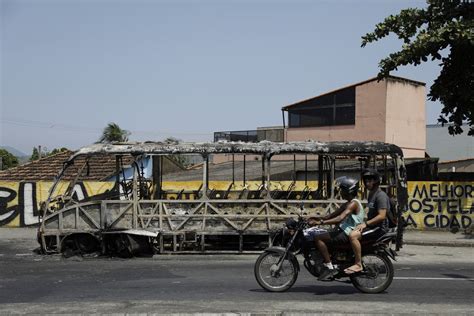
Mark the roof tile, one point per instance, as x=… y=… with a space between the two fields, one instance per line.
x=100 y=168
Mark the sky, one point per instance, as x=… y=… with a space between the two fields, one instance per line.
x=179 y=68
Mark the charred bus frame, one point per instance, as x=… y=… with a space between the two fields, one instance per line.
x=145 y=212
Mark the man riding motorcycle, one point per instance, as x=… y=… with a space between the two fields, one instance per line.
x=349 y=216
x=276 y=269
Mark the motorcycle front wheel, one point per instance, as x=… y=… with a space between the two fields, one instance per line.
x=376 y=276
x=270 y=279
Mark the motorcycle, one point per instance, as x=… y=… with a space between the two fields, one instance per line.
x=277 y=268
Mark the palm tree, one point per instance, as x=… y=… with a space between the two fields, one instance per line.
x=113 y=133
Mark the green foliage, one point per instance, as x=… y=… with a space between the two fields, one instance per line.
x=34 y=154
x=57 y=151
x=442 y=27
x=113 y=133
x=45 y=152
x=8 y=160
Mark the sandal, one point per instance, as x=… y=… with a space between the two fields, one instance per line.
x=352 y=270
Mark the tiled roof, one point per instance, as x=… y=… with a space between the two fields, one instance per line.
x=100 y=168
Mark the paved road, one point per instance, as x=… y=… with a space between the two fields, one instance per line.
x=428 y=279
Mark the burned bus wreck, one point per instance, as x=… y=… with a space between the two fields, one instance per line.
x=229 y=197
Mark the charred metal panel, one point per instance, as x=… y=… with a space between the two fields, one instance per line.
x=265 y=147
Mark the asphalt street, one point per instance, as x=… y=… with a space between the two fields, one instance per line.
x=427 y=280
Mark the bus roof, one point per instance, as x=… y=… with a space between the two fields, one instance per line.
x=261 y=148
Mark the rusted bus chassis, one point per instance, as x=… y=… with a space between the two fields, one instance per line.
x=139 y=213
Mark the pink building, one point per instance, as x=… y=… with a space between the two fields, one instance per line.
x=391 y=110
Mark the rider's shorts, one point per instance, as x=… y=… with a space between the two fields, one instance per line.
x=338 y=236
x=372 y=233
x=313 y=232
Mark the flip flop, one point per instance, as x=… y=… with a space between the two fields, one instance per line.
x=349 y=271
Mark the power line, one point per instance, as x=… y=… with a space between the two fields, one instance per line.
x=74 y=128
x=46 y=125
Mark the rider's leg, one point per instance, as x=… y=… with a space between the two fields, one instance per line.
x=354 y=238
x=329 y=271
x=323 y=249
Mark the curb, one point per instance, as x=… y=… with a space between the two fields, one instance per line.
x=438 y=243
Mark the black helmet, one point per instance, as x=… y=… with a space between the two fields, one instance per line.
x=291 y=224
x=371 y=174
x=348 y=185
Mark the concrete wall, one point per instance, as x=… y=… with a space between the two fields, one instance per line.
x=440 y=205
x=405 y=117
x=19 y=201
x=369 y=120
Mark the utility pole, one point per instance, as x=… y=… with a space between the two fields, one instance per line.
x=39 y=151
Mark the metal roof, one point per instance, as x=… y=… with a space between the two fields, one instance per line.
x=394 y=78
x=262 y=148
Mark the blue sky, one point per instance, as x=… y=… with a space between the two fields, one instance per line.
x=178 y=68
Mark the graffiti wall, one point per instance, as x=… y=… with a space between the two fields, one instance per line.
x=440 y=205
x=19 y=201
x=432 y=205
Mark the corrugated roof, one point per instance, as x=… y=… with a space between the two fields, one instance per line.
x=395 y=78
x=457 y=160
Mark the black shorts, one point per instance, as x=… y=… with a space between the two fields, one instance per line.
x=338 y=236
x=372 y=233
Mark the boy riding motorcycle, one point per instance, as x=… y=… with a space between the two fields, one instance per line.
x=349 y=216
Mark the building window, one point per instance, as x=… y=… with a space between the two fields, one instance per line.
x=337 y=108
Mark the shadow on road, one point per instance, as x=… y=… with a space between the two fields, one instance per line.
x=319 y=290
x=457 y=276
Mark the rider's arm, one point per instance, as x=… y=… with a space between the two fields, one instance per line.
x=382 y=214
x=314 y=220
x=350 y=208
x=338 y=212
x=383 y=203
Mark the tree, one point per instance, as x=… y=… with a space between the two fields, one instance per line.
x=8 y=159
x=45 y=152
x=443 y=28
x=113 y=133
x=34 y=154
x=57 y=151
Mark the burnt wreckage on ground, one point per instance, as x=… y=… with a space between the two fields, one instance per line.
x=207 y=207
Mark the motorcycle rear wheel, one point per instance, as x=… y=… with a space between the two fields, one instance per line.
x=284 y=279
x=377 y=276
